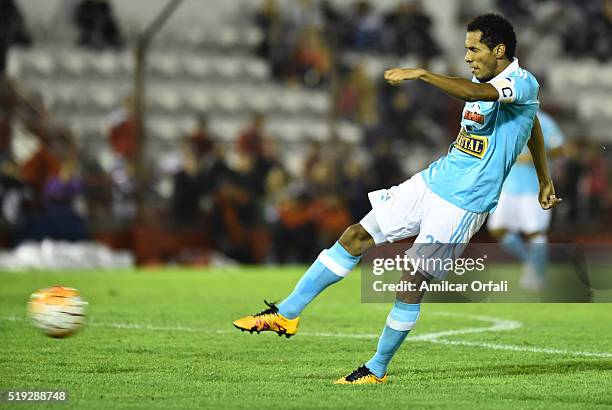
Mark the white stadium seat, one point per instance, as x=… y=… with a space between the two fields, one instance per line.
x=164 y=128
x=104 y=98
x=197 y=66
x=291 y=101
x=199 y=100
x=166 y=97
x=106 y=64
x=257 y=69
x=260 y=100
x=229 y=101
x=74 y=63
x=318 y=102
x=41 y=62
x=166 y=65
x=226 y=37
x=227 y=67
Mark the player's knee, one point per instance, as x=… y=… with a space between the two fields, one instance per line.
x=355 y=239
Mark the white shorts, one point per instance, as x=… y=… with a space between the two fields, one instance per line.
x=519 y=213
x=411 y=208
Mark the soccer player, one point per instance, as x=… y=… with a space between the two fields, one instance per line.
x=446 y=203
x=518 y=211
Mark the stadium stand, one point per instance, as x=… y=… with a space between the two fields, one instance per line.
x=237 y=59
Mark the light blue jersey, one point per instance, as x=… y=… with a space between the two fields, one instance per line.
x=523 y=178
x=492 y=135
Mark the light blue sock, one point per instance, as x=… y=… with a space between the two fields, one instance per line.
x=513 y=243
x=538 y=254
x=332 y=265
x=399 y=322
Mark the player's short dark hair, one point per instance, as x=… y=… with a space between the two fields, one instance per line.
x=495 y=29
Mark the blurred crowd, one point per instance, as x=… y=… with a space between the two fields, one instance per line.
x=242 y=196
x=300 y=40
x=584 y=27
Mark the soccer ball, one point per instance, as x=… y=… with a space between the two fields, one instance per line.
x=57 y=311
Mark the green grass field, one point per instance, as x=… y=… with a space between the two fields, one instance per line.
x=164 y=339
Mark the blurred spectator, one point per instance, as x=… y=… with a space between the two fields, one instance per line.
x=328 y=209
x=98 y=187
x=122 y=130
x=41 y=166
x=356 y=184
x=187 y=189
x=313 y=155
x=201 y=137
x=302 y=15
x=269 y=19
x=333 y=22
x=58 y=219
x=237 y=219
x=250 y=140
x=385 y=167
x=61 y=192
x=363 y=27
x=357 y=98
x=12 y=30
x=288 y=213
x=312 y=58
x=572 y=175
x=14 y=193
x=96 y=25
x=600 y=32
x=256 y=154
x=123 y=190
x=238 y=213
x=203 y=170
x=331 y=217
x=596 y=184
x=408 y=31
x=398 y=111
x=414 y=113
x=591 y=31
x=323 y=178
x=274 y=45
x=517 y=11
x=7 y=107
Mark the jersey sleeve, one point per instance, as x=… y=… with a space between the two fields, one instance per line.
x=553 y=136
x=516 y=90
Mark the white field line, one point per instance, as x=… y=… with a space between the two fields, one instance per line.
x=516 y=348
x=497 y=325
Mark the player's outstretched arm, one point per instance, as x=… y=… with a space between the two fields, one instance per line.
x=457 y=87
x=548 y=199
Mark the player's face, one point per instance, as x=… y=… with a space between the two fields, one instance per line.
x=479 y=57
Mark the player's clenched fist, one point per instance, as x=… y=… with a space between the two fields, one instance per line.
x=396 y=75
x=548 y=198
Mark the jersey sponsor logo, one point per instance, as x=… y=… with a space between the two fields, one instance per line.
x=474 y=145
x=474 y=116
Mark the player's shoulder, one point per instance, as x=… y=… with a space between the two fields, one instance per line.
x=525 y=84
x=523 y=75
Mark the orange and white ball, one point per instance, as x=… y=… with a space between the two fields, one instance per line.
x=57 y=311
